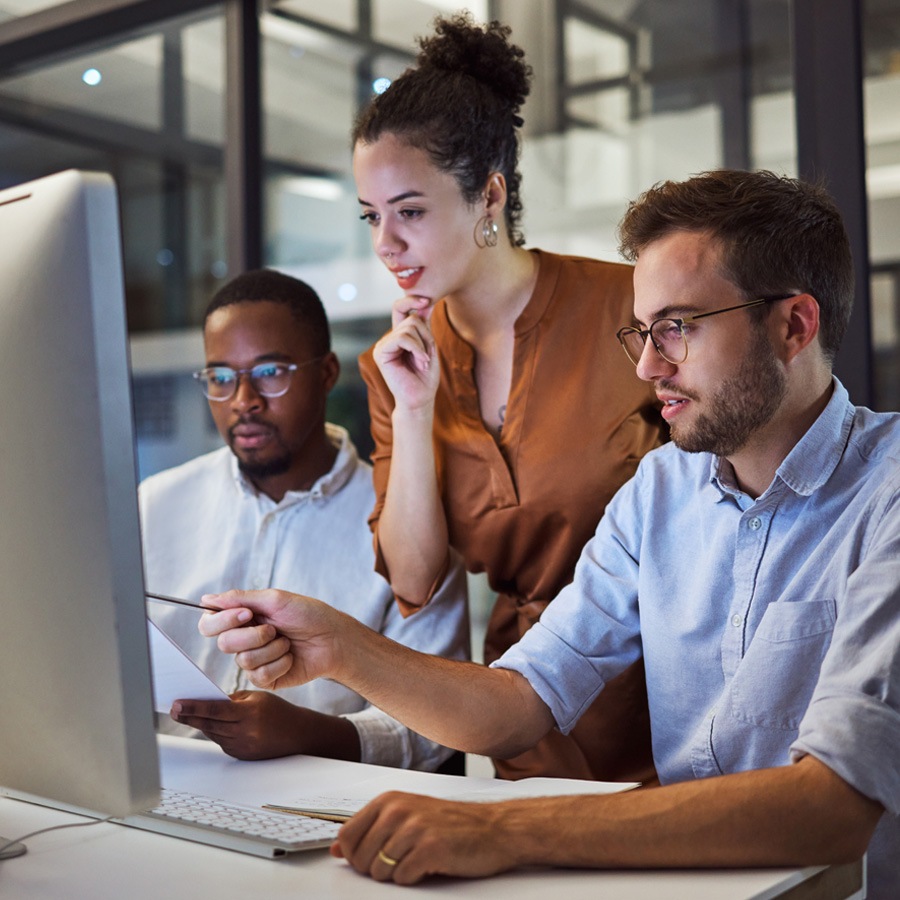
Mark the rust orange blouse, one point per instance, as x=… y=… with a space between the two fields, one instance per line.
x=520 y=509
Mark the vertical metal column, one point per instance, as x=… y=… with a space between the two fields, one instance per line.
x=831 y=147
x=243 y=137
x=365 y=67
x=174 y=184
x=732 y=86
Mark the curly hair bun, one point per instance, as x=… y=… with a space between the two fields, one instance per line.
x=460 y=46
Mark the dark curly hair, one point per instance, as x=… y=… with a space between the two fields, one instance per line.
x=777 y=234
x=259 y=285
x=460 y=104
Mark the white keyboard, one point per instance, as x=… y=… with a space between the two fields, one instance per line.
x=232 y=826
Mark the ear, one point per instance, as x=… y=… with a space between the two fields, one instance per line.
x=801 y=324
x=495 y=195
x=331 y=370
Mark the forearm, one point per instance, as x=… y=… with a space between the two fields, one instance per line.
x=493 y=712
x=412 y=528
x=333 y=737
x=796 y=815
x=282 y=639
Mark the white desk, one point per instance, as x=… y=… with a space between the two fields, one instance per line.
x=111 y=861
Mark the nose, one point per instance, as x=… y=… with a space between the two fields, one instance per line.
x=652 y=364
x=246 y=397
x=386 y=242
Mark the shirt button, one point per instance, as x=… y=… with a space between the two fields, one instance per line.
x=737 y=621
x=755 y=523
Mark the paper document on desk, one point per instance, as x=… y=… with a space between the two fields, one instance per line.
x=175 y=675
x=448 y=787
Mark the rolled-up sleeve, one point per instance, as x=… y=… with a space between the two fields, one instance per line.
x=591 y=632
x=853 y=721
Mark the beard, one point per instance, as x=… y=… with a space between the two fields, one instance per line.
x=259 y=469
x=740 y=406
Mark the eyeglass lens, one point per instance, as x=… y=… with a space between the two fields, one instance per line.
x=268 y=379
x=667 y=336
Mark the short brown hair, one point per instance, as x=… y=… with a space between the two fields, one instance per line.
x=777 y=235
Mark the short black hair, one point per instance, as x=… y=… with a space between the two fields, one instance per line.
x=777 y=235
x=260 y=285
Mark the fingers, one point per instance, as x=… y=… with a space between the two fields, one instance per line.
x=212 y=624
x=405 y=838
x=409 y=342
x=200 y=714
x=373 y=841
x=401 y=308
x=268 y=675
x=260 y=650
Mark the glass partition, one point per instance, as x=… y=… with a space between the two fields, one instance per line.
x=881 y=95
x=624 y=94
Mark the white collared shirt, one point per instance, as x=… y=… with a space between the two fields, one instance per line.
x=206 y=529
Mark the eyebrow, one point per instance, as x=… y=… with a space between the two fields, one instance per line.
x=263 y=357
x=406 y=195
x=670 y=312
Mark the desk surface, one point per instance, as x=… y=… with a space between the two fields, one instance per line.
x=111 y=861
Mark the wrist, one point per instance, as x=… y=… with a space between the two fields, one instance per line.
x=335 y=738
x=418 y=417
x=521 y=827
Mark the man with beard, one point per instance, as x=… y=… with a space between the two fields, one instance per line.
x=754 y=564
x=284 y=504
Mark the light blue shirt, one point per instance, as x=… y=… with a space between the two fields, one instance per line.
x=769 y=628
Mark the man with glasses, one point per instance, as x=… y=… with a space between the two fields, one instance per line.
x=754 y=564
x=284 y=504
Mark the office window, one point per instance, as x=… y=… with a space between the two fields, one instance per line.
x=647 y=91
x=624 y=94
x=11 y=9
x=149 y=110
x=881 y=86
x=407 y=19
x=338 y=14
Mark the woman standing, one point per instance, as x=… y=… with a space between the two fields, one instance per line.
x=503 y=413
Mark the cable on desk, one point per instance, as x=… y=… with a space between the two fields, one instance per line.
x=24 y=837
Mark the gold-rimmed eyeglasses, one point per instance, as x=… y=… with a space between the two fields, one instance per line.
x=670 y=335
x=269 y=379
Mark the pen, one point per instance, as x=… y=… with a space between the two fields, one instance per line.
x=292 y=811
x=180 y=602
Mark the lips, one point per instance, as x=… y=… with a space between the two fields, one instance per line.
x=407 y=277
x=672 y=405
x=250 y=435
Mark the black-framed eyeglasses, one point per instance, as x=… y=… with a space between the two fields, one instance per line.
x=269 y=379
x=669 y=336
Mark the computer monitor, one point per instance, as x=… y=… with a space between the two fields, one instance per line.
x=75 y=689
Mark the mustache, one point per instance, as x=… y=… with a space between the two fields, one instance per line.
x=665 y=385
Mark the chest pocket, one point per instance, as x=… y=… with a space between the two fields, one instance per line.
x=775 y=681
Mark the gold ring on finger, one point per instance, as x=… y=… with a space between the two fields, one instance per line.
x=387 y=860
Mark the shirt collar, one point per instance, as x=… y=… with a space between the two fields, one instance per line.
x=326 y=485
x=814 y=457
x=549 y=267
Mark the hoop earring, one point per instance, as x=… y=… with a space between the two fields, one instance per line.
x=486 y=232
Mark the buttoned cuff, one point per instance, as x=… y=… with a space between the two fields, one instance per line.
x=383 y=741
